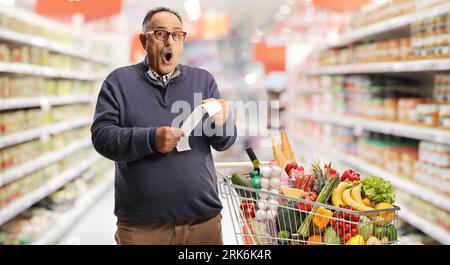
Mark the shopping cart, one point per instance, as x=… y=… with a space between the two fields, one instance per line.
x=295 y=221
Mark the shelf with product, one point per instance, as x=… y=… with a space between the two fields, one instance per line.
x=55 y=207
x=390 y=105
x=384 y=19
x=32 y=188
x=50 y=75
x=44 y=101
x=24 y=91
x=17 y=126
x=23 y=27
x=383 y=67
x=424 y=47
x=19 y=160
x=378 y=100
x=45 y=71
x=26 y=59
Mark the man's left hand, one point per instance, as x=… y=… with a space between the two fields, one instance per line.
x=220 y=117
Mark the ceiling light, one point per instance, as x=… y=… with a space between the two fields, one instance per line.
x=279 y=17
x=285 y=9
x=8 y=2
x=290 y=2
x=250 y=79
x=193 y=9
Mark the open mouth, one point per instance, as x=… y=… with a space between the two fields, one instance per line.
x=167 y=54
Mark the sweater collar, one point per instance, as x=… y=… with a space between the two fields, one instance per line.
x=164 y=79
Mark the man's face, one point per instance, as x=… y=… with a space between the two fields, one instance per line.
x=163 y=56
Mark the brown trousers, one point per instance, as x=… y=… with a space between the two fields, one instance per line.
x=208 y=232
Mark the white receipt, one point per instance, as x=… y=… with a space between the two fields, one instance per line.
x=212 y=107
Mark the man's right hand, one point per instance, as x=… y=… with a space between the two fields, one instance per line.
x=167 y=138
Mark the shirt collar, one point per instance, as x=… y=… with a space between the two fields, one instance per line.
x=163 y=80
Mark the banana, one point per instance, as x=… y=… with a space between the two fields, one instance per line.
x=355 y=193
x=347 y=199
x=336 y=195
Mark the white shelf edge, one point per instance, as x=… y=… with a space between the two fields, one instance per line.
x=66 y=221
x=26 y=102
x=406 y=185
x=31 y=69
x=388 y=25
x=392 y=128
x=381 y=67
x=35 y=133
x=425 y=226
x=55 y=46
x=19 y=205
x=42 y=161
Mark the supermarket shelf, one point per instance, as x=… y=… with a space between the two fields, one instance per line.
x=382 y=67
x=53 y=185
x=42 y=161
x=67 y=220
x=425 y=226
x=312 y=91
x=406 y=185
x=30 y=69
x=28 y=102
x=389 y=25
x=392 y=128
x=46 y=130
x=51 y=45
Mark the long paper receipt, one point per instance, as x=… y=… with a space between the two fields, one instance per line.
x=211 y=107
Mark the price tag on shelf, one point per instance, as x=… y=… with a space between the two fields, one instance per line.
x=358 y=130
x=45 y=104
x=45 y=136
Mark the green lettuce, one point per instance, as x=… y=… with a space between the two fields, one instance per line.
x=378 y=190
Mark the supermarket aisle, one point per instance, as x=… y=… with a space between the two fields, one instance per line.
x=97 y=227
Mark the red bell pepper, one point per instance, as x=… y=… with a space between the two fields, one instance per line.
x=351 y=175
x=332 y=171
x=310 y=196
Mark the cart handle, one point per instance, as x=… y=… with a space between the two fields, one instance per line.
x=238 y=164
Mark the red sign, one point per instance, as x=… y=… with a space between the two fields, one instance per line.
x=274 y=58
x=91 y=9
x=339 y=5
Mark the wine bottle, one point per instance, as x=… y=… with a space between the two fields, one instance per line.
x=253 y=158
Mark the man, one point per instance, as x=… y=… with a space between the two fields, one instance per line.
x=162 y=196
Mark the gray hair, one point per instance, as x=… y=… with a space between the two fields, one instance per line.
x=157 y=10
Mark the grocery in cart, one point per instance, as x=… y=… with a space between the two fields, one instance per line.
x=316 y=205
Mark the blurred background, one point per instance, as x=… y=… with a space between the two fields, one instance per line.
x=362 y=83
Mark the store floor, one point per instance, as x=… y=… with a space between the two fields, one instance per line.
x=97 y=227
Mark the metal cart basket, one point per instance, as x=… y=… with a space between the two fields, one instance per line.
x=296 y=221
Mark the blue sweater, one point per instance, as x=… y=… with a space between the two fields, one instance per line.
x=151 y=187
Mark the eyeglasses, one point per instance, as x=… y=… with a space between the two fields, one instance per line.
x=163 y=35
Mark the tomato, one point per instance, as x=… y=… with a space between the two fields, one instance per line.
x=347 y=227
x=346 y=215
x=310 y=196
x=347 y=237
